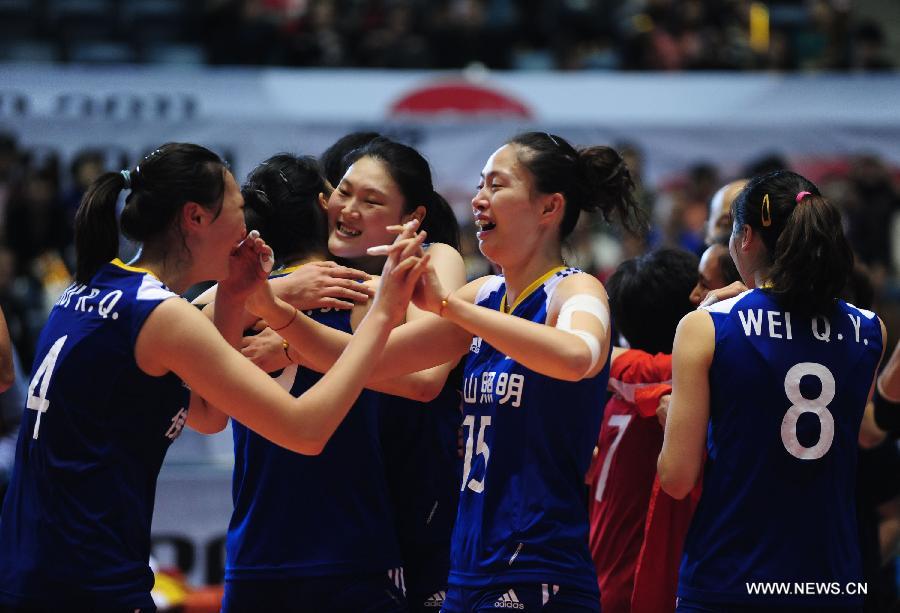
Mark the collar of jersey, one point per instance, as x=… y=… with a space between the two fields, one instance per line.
x=287 y=270
x=529 y=290
x=121 y=264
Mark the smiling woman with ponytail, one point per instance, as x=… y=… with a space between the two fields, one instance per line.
x=770 y=386
x=121 y=360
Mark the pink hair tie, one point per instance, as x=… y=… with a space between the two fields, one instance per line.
x=801 y=195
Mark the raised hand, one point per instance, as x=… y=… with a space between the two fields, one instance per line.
x=266 y=350
x=404 y=264
x=723 y=293
x=320 y=285
x=249 y=265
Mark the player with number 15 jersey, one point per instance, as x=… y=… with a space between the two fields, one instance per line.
x=529 y=439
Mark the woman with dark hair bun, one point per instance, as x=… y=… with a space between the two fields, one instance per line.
x=537 y=338
x=122 y=359
x=340 y=554
x=388 y=183
x=771 y=386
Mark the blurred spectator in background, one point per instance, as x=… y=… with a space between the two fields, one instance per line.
x=87 y=166
x=869 y=48
x=770 y=162
x=718 y=223
x=686 y=226
x=870 y=210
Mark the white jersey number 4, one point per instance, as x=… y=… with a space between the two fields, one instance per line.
x=38 y=401
x=817 y=406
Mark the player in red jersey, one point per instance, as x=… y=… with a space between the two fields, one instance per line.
x=648 y=296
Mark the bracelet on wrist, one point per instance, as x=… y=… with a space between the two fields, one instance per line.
x=290 y=321
x=444 y=302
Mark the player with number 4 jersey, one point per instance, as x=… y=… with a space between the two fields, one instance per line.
x=68 y=436
x=789 y=369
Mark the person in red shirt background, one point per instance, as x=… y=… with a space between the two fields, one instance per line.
x=648 y=296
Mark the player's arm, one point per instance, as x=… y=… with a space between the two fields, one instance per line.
x=175 y=337
x=230 y=320
x=886 y=396
x=574 y=346
x=324 y=345
x=681 y=458
x=417 y=345
x=7 y=368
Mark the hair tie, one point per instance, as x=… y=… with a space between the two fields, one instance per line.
x=766 y=212
x=127 y=176
x=801 y=195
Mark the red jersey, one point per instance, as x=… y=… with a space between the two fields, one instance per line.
x=656 y=574
x=621 y=477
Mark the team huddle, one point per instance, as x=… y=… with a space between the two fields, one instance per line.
x=408 y=440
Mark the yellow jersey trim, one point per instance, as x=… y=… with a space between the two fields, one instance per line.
x=529 y=290
x=121 y=264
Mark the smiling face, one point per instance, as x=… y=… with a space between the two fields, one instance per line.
x=366 y=201
x=506 y=213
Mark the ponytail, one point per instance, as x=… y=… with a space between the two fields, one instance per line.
x=96 y=229
x=440 y=222
x=608 y=187
x=160 y=185
x=810 y=260
x=590 y=179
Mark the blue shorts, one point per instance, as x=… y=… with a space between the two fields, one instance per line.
x=544 y=597
x=691 y=606
x=425 y=571
x=371 y=593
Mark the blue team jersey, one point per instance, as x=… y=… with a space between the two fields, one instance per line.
x=75 y=529
x=787 y=395
x=420 y=441
x=529 y=438
x=312 y=516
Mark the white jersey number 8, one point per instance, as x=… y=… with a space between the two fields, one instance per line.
x=801 y=405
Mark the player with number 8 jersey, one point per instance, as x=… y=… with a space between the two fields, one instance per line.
x=801 y=425
x=789 y=368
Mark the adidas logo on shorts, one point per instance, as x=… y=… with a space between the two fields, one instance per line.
x=436 y=600
x=509 y=600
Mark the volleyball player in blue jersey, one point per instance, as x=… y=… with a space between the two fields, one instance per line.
x=283 y=553
x=388 y=183
x=772 y=384
x=120 y=361
x=534 y=380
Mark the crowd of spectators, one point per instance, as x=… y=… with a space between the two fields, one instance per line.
x=451 y=34
x=39 y=193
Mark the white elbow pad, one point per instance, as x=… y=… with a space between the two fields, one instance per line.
x=592 y=343
x=584 y=303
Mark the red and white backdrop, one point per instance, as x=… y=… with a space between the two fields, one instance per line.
x=455 y=119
